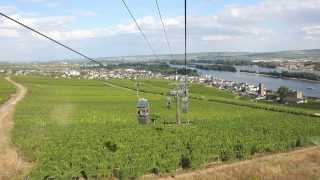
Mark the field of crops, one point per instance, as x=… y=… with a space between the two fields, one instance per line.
x=6 y=89
x=80 y=128
x=199 y=91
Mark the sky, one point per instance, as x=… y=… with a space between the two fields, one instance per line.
x=103 y=28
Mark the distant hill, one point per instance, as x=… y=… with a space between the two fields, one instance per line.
x=313 y=54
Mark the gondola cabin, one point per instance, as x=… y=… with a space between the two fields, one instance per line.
x=168 y=104
x=185 y=104
x=143 y=111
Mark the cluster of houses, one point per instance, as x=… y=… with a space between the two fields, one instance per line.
x=24 y=72
x=297 y=65
x=117 y=74
x=259 y=92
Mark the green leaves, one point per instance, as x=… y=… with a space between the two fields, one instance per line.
x=6 y=89
x=111 y=146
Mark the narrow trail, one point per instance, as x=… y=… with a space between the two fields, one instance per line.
x=12 y=166
x=299 y=164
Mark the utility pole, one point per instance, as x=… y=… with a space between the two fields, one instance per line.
x=182 y=90
x=185 y=49
x=137 y=89
x=178 y=119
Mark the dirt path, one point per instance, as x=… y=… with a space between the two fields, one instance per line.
x=11 y=165
x=300 y=164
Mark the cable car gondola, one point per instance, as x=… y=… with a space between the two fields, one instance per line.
x=185 y=104
x=143 y=111
x=169 y=102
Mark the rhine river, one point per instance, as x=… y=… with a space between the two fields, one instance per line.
x=309 y=88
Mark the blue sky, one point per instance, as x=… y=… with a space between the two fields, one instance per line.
x=104 y=28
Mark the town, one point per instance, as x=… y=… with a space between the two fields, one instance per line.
x=257 y=92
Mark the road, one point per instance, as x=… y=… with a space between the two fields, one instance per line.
x=12 y=166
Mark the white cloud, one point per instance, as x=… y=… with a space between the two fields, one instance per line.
x=8 y=9
x=265 y=25
x=221 y=38
x=46 y=22
x=312 y=31
x=289 y=11
x=71 y=35
x=11 y=33
x=234 y=20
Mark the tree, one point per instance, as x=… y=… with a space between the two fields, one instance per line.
x=283 y=93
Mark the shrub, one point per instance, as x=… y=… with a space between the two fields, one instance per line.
x=225 y=155
x=240 y=154
x=155 y=170
x=111 y=146
x=300 y=142
x=253 y=150
x=185 y=161
x=118 y=173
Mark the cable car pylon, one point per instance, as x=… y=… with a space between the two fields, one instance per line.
x=181 y=90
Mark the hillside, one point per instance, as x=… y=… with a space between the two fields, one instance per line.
x=88 y=129
x=313 y=54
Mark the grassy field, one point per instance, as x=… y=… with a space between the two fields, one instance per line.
x=6 y=89
x=80 y=128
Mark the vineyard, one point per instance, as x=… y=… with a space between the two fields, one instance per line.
x=202 y=92
x=81 y=128
x=6 y=88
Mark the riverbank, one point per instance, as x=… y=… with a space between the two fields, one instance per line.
x=309 y=88
x=282 y=77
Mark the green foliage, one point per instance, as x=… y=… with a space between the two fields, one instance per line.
x=201 y=92
x=78 y=128
x=225 y=155
x=239 y=150
x=111 y=146
x=6 y=89
x=253 y=150
x=155 y=117
x=217 y=67
x=185 y=161
x=283 y=93
x=299 y=75
x=156 y=67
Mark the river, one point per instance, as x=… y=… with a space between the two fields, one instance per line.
x=309 y=88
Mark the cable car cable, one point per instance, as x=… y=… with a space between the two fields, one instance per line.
x=164 y=29
x=140 y=29
x=51 y=39
x=142 y=105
